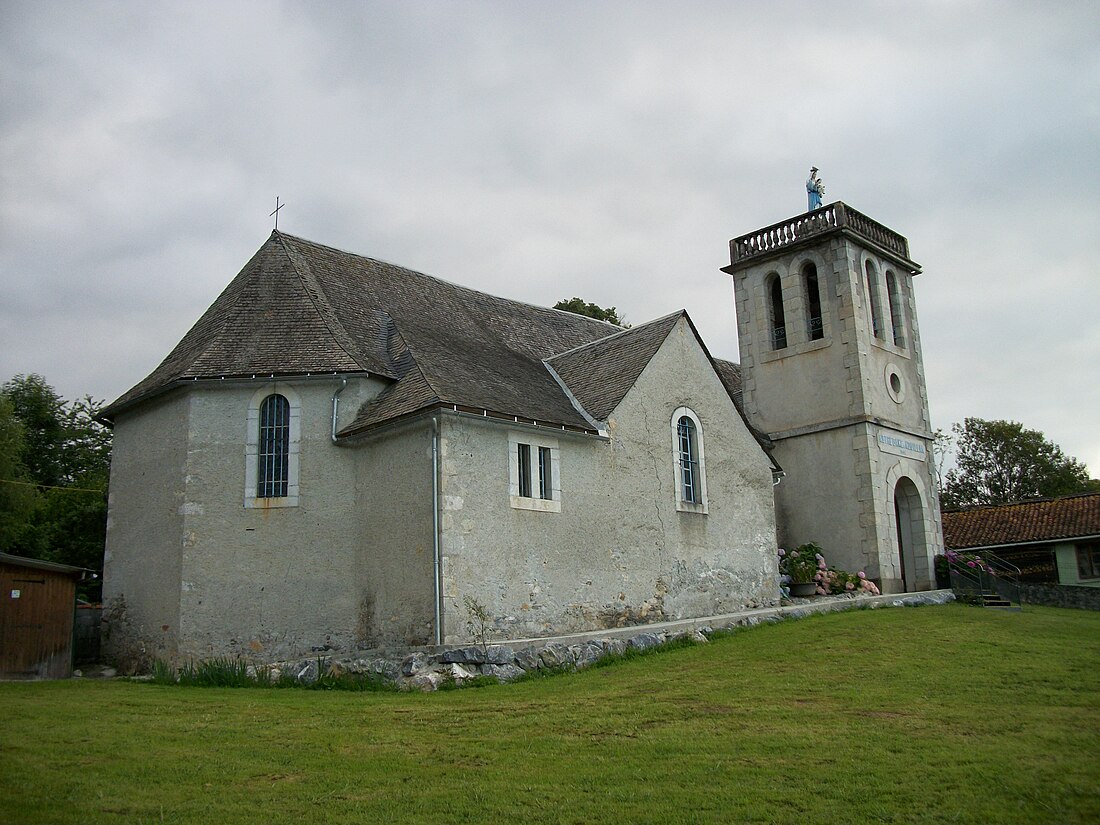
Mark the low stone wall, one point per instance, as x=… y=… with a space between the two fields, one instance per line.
x=429 y=669
x=1061 y=595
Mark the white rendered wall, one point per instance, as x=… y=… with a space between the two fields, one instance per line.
x=618 y=552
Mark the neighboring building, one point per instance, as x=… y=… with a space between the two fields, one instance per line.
x=344 y=454
x=1051 y=540
x=831 y=359
x=37 y=604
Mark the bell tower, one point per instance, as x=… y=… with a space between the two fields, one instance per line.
x=832 y=372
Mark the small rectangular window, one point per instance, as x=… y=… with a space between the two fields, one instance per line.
x=534 y=475
x=546 y=474
x=525 y=470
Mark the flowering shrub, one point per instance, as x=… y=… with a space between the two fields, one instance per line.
x=969 y=560
x=833 y=582
x=802 y=563
x=807 y=564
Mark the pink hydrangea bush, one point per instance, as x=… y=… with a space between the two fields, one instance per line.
x=970 y=560
x=806 y=563
x=802 y=563
x=835 y=582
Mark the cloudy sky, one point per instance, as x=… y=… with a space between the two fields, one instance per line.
x=543 y=150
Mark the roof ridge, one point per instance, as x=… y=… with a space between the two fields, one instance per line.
x=321 y=303
x=453 y=284
x=607 y=338
x=1021 y=502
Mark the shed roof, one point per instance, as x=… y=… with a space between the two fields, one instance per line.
x=39 y=564
x=1023 y=522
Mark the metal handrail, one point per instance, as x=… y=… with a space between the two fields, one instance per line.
x=983 y=575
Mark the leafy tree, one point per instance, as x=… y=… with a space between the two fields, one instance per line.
x=18 y=497
x=54 y=470
x=578 y=307
x=1001 y=461
x=41 y=411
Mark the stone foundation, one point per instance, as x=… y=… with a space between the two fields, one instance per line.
x=428 y=669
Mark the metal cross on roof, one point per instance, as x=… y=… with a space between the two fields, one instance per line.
x=278 y=206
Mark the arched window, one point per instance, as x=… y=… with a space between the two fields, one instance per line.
x=272 y=473
x=687 y=453
x=897 y=322
x=273 y=447
x=689 y=460
x=873 y=301
x=777 y=323
x=814 y=323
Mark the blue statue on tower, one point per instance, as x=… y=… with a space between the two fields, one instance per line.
x=814 y=189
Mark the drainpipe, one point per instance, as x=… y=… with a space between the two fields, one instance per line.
x=336 y=405
x=435 y=531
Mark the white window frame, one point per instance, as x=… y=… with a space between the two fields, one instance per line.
x=533 y=502
x=252 y=449
x=682 y=505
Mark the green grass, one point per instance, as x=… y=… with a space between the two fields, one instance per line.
x=940 y=714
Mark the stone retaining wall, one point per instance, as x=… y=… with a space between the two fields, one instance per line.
x=1061 y=595
x=429 y=669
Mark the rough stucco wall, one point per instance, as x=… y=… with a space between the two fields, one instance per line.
x=141 y=563
x=393 y=518
x=277 y=582
x=815 y=500
x=839 y=492
x=619 y=552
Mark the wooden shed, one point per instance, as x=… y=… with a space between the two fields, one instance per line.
x=37 y=605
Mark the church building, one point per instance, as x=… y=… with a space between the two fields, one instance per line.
x=343 y=454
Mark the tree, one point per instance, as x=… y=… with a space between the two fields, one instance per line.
x=54 y=468
x=41 y=411
x=1001 y=461
x=578 y=307
x=18 y=496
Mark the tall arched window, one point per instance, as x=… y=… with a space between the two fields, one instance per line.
x=814 y=323
x=687 y=454
x=689 y=460
x=273 y=445
x=873 y=301
x=897 y=322
x=273 y=469
x=777 y=322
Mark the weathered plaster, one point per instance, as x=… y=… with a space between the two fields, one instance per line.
x=619 y=552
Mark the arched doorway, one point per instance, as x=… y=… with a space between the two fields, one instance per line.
x=912 y=545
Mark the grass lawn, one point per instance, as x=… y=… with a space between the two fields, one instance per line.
x=934 y=714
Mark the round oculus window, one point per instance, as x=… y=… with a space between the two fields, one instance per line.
x=895 y=384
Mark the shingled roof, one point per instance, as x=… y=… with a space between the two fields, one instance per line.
x=298 y=307
x=1037 y=520
x=601 y=373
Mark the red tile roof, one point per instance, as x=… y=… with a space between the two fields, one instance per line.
x=1046 y=519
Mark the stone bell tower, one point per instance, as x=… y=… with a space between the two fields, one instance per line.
x=832 y=372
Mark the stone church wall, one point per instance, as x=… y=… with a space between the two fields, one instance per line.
x=619 y=552
x=143 y=552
